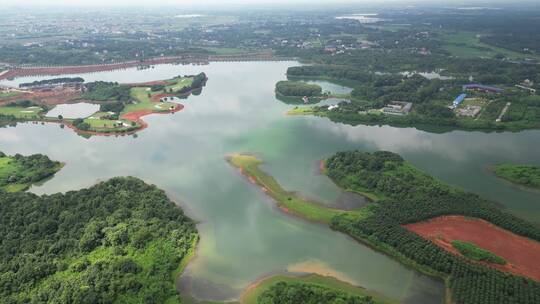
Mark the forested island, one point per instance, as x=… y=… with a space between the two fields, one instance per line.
x=120 y=241
x=405 y=196
x=18 y=172
x=523 y=175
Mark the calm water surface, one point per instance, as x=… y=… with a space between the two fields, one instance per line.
x=243 y=236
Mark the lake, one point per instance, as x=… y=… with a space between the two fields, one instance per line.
x=243 y=236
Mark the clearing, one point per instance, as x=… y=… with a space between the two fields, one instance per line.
x=520 y=253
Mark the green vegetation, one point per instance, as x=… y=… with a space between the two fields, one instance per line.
x=144 y=102
x=528 y=176
x=431 y=99
x=18 y=172
x=9 y=94
x=298 y=89
x=293 y=92
x=289 y=201
x=410 y=196
x=286 y=293
x=106 y=91
x=473 y=252
x=52 y=81
x=120 y=241
x=307 y=289
x=104 y=124
x=17 y=112
x=469 y=44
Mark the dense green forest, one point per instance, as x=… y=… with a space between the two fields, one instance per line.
x=52 y=81
x=294 y=293
x=298 y=89
x=120 y=241
x=106 y=91
x=528 y=176
x=18 y=172
x=408 y=195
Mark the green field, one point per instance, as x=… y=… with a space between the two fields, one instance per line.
x=523 y=175
x=21 y=113
x=178 y=83
x=289 y=201
x=251 y=296
x=144 y=103
x=8 y=94
x=467 y=44
x=108 y=125
x=473 y=252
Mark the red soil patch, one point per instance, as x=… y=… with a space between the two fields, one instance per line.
x=52 y=97
x=137 y=115
x=521 y=253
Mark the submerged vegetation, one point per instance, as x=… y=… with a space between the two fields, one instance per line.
x=523 y=175
x=18 y=172
x=120 y=241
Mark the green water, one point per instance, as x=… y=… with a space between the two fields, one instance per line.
x=243 y=236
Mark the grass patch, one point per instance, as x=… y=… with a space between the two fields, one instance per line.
x=9 y=94
x=467 y=44
x=473 y=252
x=289 y=201
x=140 y=94
x=523 y=175
x=21 y=112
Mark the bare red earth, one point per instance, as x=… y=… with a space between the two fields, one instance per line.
x=522 y=254
x=137 y=115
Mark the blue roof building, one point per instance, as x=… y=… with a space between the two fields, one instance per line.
x=459 y=100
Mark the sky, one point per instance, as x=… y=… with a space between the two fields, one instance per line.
x=160 y=2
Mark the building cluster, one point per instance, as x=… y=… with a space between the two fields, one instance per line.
x=398 y=108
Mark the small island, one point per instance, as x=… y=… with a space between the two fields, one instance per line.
x=522 y=175
x=18 y=172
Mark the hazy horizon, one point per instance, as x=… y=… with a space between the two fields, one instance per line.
x=199 y=3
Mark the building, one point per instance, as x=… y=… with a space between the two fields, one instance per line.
x=398 y=108
x=526 y=88
x=469 y=111
x=458 y=100
x=481 y=88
